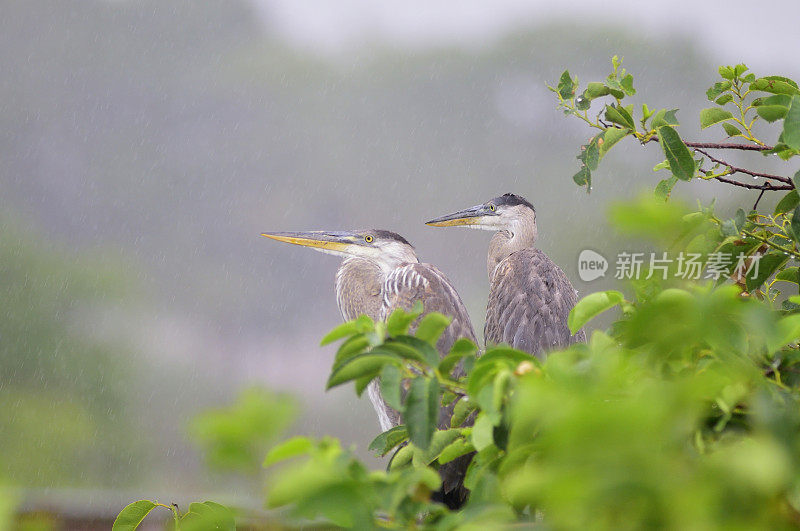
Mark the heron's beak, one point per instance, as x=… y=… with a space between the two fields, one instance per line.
x=469 y=216
x=323 y=240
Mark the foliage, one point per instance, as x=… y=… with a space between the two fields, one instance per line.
x=235 y=438
x=662 y=422
x=740 y=100
x=200 y=516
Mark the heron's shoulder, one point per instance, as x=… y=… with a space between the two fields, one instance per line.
x=528 y=259
x=530 y=263
x=418 y=274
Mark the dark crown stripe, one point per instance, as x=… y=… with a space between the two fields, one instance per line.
x=513 y=200
x=389 y=235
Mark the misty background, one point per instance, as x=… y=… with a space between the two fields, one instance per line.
x=145 y=144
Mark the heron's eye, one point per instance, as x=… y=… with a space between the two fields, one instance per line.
x=492 y=207
x=368 y=238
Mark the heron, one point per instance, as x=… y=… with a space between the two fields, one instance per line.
x=380 y=272
x=530 y=297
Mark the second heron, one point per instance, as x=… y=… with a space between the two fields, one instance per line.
x=530 y=297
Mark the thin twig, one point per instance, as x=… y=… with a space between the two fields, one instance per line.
x=736 y=169
x=743 y=147
x=714 y=145
x=760 y=195
x=765 y=186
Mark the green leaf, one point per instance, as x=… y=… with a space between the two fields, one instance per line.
x=362 y=382
x=788 y=331
x=482 y=433
x=591 y=154
x=790 y=274
x=725 y=98
x=620 y=116
x=456 y=449
x=386 y=441
x=351 y=348
x=583 y=177
x=740 y=219
x=731 y=130
x=767 y=265
x=775 y=85
x=726 y=72
x=591 y=306
x=358 y=326
x=461 y=411
x=432 y=326
x=777 y=99
x=611 y=136
x=461 y=348
x=663 y=165
x=728 y=228
x=208 y=515
x=627 y=85
x=566 y=85
x=363 y=365
x=421 y=413
x=132 y=515
x=596 y=90
x=288 y=449
x=614 y=87
x=717 y=89
x=678 y=155
x=794 y=227
x=422 y=350
x=399 y=320
x=401 y=457
x=511 y=357
x=709 y=117
x=783 y=151
x=391 y=381
x=664 y=117
x=789 y=202
x=772 y=113
x=401 y=348
x=772 y=108
x=664 y=188
x=441 y=440
x=791 y=124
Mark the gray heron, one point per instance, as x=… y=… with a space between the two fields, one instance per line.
x=530 y=297
x=381 y=272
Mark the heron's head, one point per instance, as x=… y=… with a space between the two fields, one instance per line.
x=503 y=213
x=386 y=248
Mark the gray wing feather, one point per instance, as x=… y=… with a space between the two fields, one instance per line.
x=424 y=282
x=529 y=302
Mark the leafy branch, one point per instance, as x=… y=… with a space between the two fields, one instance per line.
x=736 y=92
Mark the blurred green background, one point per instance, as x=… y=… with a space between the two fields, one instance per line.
x=144 y=145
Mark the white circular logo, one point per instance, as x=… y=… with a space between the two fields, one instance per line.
x=591 y=265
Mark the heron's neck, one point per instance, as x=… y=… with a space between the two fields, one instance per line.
x=358 y=288
x=394 y=256
x=520 y=235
